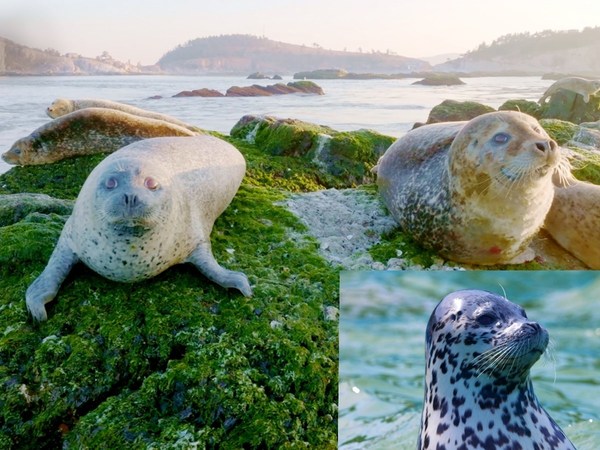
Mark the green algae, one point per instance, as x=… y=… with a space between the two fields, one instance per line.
x=525 y=106
x=559 y=130
x=175 y=361
x=452 y=110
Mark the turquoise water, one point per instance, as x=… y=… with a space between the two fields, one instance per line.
x=382 y=333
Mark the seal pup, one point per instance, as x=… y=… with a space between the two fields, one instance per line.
x=478 y=392
x=145 y=208
x=62 y=106
x=581 y=86
x=476 y=192
x=574 y=221
x=86 y=132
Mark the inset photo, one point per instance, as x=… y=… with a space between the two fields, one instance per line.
x=469 y=359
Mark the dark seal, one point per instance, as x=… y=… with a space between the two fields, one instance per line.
x=478 y=393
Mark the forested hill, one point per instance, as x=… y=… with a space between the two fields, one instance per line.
x=247 y=54
x=569 y=52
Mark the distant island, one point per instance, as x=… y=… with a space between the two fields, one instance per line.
x=557 y=52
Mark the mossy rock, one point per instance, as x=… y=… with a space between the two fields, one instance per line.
x=175 y=361
x=524 y=106
x=559 y=130
x=440 y=79
x=453 y=111
x=569 y=106
x=342 y=159
x=14 y=208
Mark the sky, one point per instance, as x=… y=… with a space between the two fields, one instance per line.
x=144 y=30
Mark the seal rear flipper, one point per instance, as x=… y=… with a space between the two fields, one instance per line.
x=45 y=287
x=205 y=262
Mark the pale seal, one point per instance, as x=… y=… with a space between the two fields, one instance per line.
x=574 y=221
x=476 y=192
x=62 y=106
x=85 y=132
x=145 y=208
x=478 y=392
x=581 y=86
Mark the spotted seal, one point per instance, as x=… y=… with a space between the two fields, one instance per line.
x=145 y=208
x=87 y=131
x=574 y=221
x=62 y=106
x=478 y=392
x=476 y=192
x=581 y=86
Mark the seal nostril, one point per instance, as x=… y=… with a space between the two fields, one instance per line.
x=543 y=146
x=130 y=200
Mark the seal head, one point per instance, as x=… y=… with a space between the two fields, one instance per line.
x=478 y=393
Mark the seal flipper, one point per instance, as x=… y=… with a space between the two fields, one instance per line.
x=45 y=287
x=205 y=262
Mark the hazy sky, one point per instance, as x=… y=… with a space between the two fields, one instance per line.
x=143 y=30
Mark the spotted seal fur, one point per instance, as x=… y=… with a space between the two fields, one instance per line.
x=145 y=208
x=478 y=392
x=85 y=132
x=62 y=106
x=476 y=192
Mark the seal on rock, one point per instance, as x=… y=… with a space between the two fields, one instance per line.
x=574 y=221
x=581 y=86
x=145 y=208
x=85 y=132
x=476 y=192
x=62 y=106
x=478 y=392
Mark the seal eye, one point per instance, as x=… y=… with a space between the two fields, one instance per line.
x=501 y=138
x=111 y=183
x=486 y=319
x=151 y=183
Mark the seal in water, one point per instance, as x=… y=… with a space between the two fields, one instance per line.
x=478 y=393
x=476 y=192
x=85 y=132
x=145 y=208
x=62 y=106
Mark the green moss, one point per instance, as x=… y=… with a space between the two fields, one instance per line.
x=587 y=166
x=559 y=130
x=451 y=110
x=524 y=106
x=174 y=360
x=397 y=244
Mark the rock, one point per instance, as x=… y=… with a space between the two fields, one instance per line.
x=155 y=97
x=524 y=106
x=258 y=76
x=440 y=79
x=321 y=74
x=276 y=77
x=569 y=106
x=346 y=156
x=298 y=87
x=248 y=91
x=452 y=111
x=15 y=207
x=200 y=93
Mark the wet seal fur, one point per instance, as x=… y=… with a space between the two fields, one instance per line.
x=476 y=192
x=478 y=392
x=62 y=106
x=581 y=86
x=145 y=208
x=85 y=132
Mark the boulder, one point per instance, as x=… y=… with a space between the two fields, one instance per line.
x=569 y=106
x=440 y=79
x=258 y=76
x=524 y=106
x=452 y=111
x=200 y=93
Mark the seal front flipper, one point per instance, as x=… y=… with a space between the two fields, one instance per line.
x=45 y=287
x=205 y=262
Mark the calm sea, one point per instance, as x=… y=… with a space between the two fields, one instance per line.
x=388 y=106
x=382 y=349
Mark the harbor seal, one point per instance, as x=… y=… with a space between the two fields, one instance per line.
x=145 y=208
x=574 y=221
x=62 y=106
x=85 y=132
x=581 y=86
x=476 y=192
x=478 y=392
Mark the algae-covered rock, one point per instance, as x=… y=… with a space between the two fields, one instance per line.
x=440 y=79
x=175 y=361
x=559 y=130
x=570 y=106
x=524 y=106
x=345 y=157
x=453 y=111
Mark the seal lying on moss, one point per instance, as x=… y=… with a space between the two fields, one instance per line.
x=146 y=207
x=85 y=132
x=476 y=192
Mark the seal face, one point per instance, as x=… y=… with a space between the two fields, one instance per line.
x=477 y=191
x=146 y=207
x=478 y=393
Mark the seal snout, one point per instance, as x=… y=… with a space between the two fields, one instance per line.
x=546 y=146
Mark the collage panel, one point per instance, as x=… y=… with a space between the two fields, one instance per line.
x=384 y=317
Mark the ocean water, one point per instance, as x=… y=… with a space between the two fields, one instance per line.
x=383 y=316
x=388 y=106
